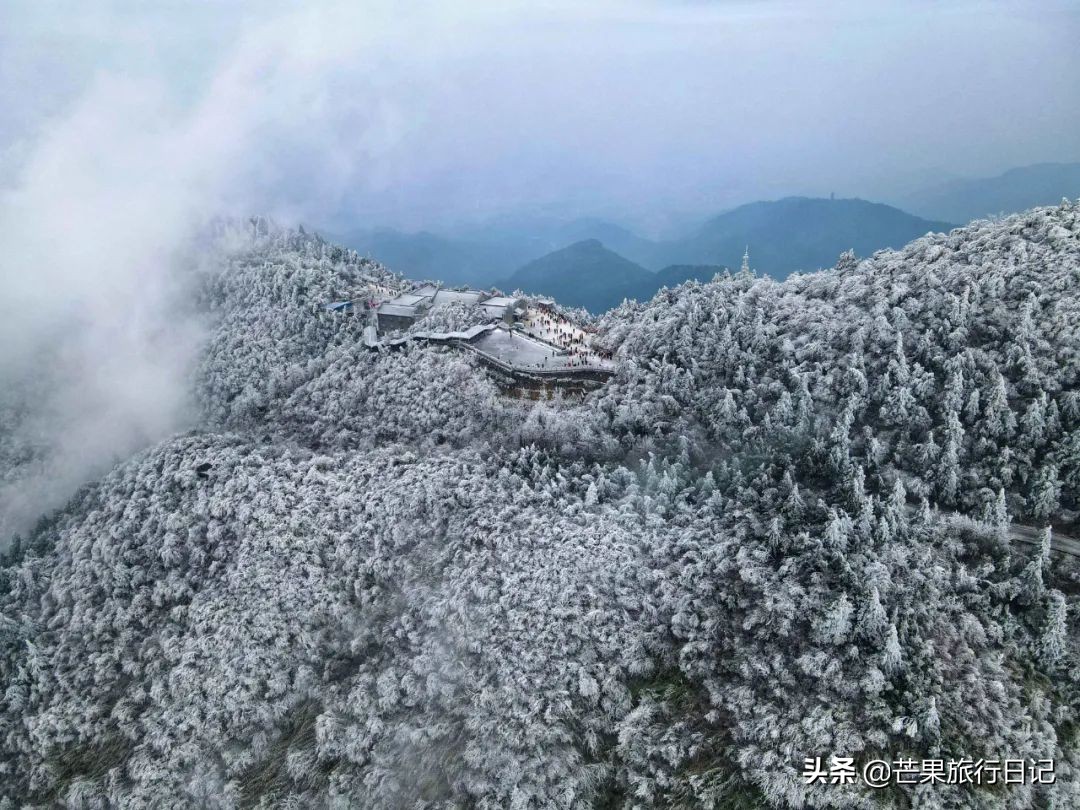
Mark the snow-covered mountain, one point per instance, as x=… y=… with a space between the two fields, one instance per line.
x=369 y=579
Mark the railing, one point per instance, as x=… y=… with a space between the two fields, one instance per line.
x=597 y=373
x=463 y=340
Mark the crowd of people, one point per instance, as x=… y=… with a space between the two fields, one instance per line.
x=565 y=334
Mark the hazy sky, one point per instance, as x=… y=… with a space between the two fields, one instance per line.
x=420 y=115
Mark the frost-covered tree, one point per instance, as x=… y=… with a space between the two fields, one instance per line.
x=1052 y=641
x=373 y=579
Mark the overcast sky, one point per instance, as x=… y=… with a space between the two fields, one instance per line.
x=420 y=117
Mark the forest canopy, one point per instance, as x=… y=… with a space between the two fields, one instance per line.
x=780 y=531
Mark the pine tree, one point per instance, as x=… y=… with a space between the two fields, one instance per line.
x=1052 y=641
x=999 y=422
x=892 y=657
x=837 y=530
x=949 y=465
x=857 y=489
x=931 y=722
x=1045 y=493
x=873 y=621
x=847 y=262
x=1033 y=423
x=836 y=626
x=592 y=495
x=1001 y=510
x=1031 y=586
x=971 y=409
x=897 y=505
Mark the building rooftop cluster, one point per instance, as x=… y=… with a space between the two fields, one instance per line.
x=405 y=309
x=521 y=336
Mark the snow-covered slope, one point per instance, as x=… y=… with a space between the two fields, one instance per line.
x=368 y=580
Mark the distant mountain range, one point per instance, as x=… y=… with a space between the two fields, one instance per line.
x=596 y=263
x=783 y=235
x=796 y=233
x=1015 y=190
x=482 y=255
x=605 y=262
x=587 y=274
x=793 y=234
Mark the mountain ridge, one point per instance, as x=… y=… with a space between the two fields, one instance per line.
x=588 y=274
x=1016 y=189
x=583 y=274
x=786 y=235
x=797 y=234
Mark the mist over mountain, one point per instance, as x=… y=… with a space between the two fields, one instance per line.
x=424 y=255
x=1015 y=190
x=378 y=578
